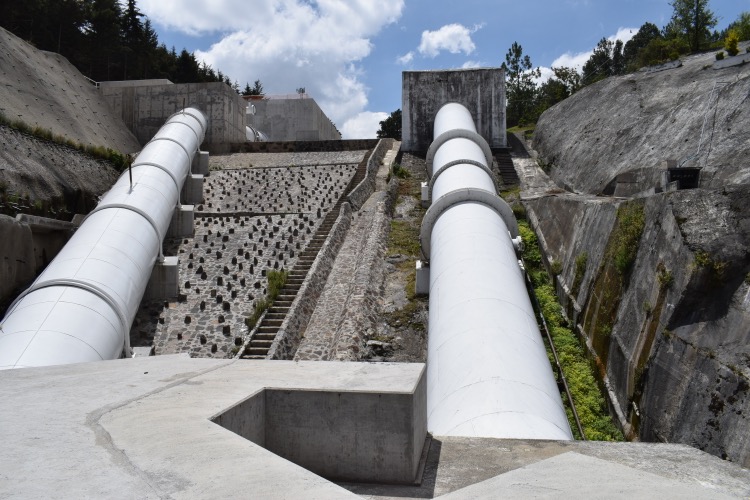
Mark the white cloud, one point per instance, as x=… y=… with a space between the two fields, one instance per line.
x=472 y=64
x=577 y=60
x=453 y=38
x=287 y=44
x=364 y=125
x=406 y=58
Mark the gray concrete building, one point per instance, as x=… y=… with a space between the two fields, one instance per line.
x=481 y=91
x=292 y=118
x=144 y=105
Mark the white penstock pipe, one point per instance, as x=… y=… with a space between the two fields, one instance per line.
x=81 y=307
x=488 y=374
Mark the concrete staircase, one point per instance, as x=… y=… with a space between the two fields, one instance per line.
x=506 y=171
x=269 y=326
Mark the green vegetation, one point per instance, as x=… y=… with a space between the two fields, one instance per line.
x=391 y=126
x=665 y=278
x=580 y=271
x=731 y=41
x=717 y=268
x=590 y=403
x=630 y=222
x=400 y=171
x=719 y=56
x=276 y=281
x=117 y=159
x=404 y=238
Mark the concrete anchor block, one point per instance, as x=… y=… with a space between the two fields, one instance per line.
x=425 y=189
x=200 y=163
x=422 y=283
x=182 y=222
x=192 y=190
x=164 y=281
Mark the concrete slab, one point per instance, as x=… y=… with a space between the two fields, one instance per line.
x=141 y=428
x=561 y=476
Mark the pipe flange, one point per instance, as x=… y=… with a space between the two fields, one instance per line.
x=457 y=197
x=460 y=162
x=455 y=134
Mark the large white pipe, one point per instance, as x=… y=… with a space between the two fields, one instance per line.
x=81 y=307
x=488 y=374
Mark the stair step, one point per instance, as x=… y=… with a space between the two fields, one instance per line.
x=264 y=336
x=257 y=351
x=267 y=329
x=260 y=344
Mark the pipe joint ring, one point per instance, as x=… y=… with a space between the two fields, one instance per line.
x=460 y=162
x=456 y=134
x=457 y=197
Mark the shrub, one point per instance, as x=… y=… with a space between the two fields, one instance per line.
x=399 y=171
x=630 y=223
x=730 y=43
x=665 y=278
x=719 y=56
x=555 y=267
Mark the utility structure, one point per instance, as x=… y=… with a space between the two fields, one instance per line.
x=488 y=374
x=82 y=306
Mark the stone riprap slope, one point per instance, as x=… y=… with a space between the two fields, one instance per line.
x=249 y=160
x=660 y=295
x=42 y=89
x=251 y=220
x=634 y=122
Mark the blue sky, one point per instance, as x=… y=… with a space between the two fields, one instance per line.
x=349 y=54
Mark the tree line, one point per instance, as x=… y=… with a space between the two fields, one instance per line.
x=691 y=29
x=106 y=40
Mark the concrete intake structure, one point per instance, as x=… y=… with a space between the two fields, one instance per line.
x=488 y=374
x=82 y=306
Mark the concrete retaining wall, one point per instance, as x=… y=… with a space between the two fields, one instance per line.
x=28 y=244
x=144 y=108
x=291 y=330
x=350 y=436
x=305 y=146
x=482 y=91
x=292 y=120
x=364 y=189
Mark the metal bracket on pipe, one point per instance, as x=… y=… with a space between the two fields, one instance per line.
x=455 y=134
x=164 y=169
x=443 y=168
x=464 y=195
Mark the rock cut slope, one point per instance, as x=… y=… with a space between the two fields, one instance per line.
x=657 y=283
x=42 y=89
x=636 y=121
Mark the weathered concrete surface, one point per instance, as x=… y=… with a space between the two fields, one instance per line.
x=145 y=107
x=142 y=428
x=147 y=428
x=42 y=89
x=675 y=354
x=454 y=464
x=636 y=121
x=292 y=119
x=423 y=93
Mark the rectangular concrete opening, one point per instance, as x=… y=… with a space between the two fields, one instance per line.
x=343 y=436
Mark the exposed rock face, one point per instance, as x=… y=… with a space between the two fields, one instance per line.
x=671 y=333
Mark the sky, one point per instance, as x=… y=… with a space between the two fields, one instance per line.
x=349 y=54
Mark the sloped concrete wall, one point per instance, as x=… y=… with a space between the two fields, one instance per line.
x=145 y=107
x=292 y=120
x=481 y=91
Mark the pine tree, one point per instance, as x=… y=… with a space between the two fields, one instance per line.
x=520 y=87
x=693 y=20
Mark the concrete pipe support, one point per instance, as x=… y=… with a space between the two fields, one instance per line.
x=81 y=307
x=488 y=374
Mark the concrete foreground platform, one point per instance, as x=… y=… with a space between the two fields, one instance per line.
x=152 y=428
